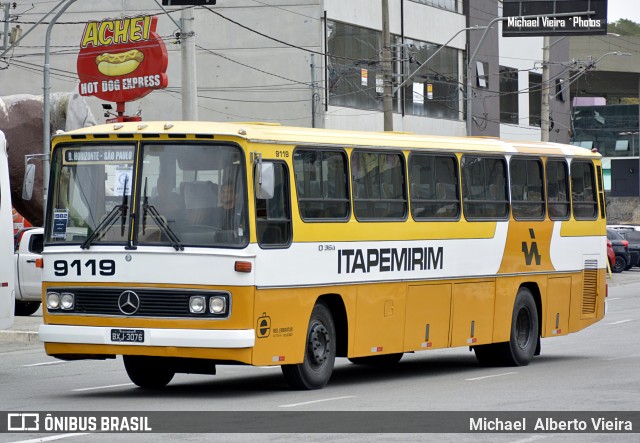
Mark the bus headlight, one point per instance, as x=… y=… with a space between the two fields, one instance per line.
x=67 y=301
x=218 y=305
x=53 y=300
x=197 y=304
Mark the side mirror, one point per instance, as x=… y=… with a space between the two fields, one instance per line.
x=265 y=180
x=29 y=179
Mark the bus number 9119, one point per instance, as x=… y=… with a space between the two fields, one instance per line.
x=62 y=268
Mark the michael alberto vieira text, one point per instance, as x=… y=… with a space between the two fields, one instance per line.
x=594 y=424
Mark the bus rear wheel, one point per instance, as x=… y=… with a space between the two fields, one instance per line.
x=522 y=345
x=377 y=360
x=320 y=352
x=148 y=372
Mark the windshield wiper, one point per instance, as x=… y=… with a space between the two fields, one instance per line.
x=110 y=219
x=101 y=229
x=159 y=220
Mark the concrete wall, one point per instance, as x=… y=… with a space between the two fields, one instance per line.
x=417 y=21
x=623 y=210
x=525 y=55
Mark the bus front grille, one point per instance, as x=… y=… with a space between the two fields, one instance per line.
x=144 y=302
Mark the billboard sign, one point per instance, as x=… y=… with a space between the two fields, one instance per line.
x=529 y=18
x=122 y=60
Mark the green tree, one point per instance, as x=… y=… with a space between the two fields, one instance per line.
x=624 y=27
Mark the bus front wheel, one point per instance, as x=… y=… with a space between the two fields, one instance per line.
x=147 y=372
x=320 y=352
x=522 y=345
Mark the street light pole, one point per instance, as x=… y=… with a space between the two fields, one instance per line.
x=484 y=35
x=424 y=63
x=46 y=120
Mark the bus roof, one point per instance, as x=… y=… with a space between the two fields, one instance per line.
x=274 y=133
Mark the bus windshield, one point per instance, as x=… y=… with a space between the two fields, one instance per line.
x=183 y=194
x=195 y=192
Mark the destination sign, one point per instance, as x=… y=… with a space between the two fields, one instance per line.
x=98 y=156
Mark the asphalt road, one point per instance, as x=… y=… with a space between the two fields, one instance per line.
x=593 y=370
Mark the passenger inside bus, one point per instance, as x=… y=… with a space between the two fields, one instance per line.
x=230 y=220
x=168 y=202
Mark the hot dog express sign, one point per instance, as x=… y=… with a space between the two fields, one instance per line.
x=122 y=60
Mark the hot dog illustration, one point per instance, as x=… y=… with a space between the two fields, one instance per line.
x=121 y=63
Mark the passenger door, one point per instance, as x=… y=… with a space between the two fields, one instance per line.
x=273 y=215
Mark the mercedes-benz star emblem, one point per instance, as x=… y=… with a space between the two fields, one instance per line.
x=129 y=302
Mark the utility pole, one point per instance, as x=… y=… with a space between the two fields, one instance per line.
x=544 y=108
x=46 y=100
x=5 y=34
x=188 y=59
x=314 y=93
x=387 y=95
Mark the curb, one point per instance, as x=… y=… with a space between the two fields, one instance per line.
x=18 y=336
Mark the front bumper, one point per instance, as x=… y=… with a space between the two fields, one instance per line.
x=180 y=338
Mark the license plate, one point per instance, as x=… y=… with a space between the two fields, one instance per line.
x=127 y=335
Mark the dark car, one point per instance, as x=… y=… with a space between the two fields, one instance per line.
x=633 y=237
x=621 y=249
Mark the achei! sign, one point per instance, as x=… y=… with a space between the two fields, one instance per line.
x=122 y=60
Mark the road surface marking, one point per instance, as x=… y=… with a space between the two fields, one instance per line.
x=490 y=376
x=316 y=401
x=101 y=387
x=59 y=362
x=623 y=357
x=618 y=322
x=530 y=439
x=52 y=438
x=614 y=298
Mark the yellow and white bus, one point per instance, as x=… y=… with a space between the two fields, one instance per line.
x=7 y=276
x=186 y=245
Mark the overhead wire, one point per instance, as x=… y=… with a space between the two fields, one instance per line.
x=305 y=84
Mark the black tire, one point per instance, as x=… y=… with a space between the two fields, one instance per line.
x=523 y=343
x=619 y=265
x=319 y=355
x=26 y=308
x=148 y=372
x=378 y=360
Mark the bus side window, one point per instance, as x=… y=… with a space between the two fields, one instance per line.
x=583 y=189
x=322 y=184
x=526 y=189
x=484 y=188
x=379 y=186
x=434 y=186
x=557 y=189
x=603 y=209
x=273 y=216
